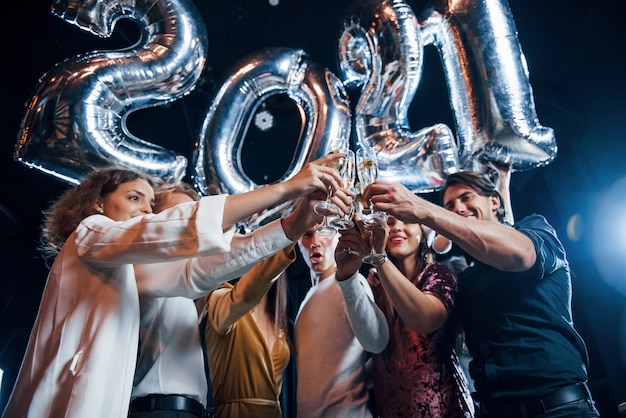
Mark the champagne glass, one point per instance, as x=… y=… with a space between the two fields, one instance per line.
x=367 y=169
x=348 y=174
x=373 y=257
x=328 y=208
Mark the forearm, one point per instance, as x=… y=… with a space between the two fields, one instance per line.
x=421 y=312
x=195 y=277
x=226 y=306
x=492 y=243
x=253 y=285
x=240 y=206
x=366 y=319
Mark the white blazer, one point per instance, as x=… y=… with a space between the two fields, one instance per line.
x=80 y=358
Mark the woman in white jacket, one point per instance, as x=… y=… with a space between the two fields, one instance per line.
x=81 y=355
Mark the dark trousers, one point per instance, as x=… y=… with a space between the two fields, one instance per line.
x=571 y=401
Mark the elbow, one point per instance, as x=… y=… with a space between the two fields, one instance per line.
x=377 y=346
x=520 y=262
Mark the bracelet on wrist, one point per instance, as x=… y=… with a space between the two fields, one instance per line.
x=381 y=262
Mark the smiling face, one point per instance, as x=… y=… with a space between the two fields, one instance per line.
x=467 y=202
x=319 y=253
x=404 y=238
x=129 y=199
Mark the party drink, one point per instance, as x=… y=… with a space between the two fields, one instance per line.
x=335 y=164
x=368 y=171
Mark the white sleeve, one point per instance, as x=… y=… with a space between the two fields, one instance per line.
x=186 y=230
x=196 y=277
x=368 y=322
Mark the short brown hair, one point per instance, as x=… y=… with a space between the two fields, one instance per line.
x=478 y=182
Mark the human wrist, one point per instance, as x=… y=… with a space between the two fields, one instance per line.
x=342 y=277
x=289 y=228
x=383 y=260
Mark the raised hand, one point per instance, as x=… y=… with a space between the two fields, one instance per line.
x=350 y=249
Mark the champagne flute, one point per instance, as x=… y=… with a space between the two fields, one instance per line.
x=328 y=208
x=367 y=169
x=373 y=257
x=348 y=174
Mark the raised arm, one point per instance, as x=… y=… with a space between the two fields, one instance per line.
x=492 y=243
x=226 y=305
x=422 y=312
x=195 y=277
x=313 y=176
x=503 y=183
x=366 y=319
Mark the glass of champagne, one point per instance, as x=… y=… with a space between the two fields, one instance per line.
x=373 y=257
x=348 y=173
x=328 y=208
x=367 y=169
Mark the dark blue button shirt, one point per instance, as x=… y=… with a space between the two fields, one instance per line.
x=518 y=326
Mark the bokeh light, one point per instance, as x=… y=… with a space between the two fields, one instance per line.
x=575 y=227
x=608 y=244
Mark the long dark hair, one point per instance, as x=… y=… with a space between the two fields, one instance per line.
x=276 y=306
x=79 y=202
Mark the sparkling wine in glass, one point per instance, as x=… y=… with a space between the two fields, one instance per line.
x=328 y=208
x=373 y=257
x=348 y=174
x=367 y=169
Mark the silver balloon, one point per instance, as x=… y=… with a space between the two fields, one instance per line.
x=381 y=49
x=488 y=84
x=318 y=94
x=75 y=120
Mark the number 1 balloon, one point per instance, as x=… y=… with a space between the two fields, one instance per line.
x=488 y=84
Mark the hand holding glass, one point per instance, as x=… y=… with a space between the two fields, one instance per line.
x=347 y=173
x=367 y=169
x=328 y=208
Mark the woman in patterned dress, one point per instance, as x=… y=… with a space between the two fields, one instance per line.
x=418 y=374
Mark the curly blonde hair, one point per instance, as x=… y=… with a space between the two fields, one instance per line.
x=63 y=215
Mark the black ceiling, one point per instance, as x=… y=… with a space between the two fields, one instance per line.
x=574 y=51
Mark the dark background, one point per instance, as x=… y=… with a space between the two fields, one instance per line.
x=574 y=51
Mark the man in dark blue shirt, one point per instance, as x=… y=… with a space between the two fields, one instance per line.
x=514 y=299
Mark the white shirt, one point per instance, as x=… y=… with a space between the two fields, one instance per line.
x=80 y=358
x=171 y=360
x=337 y=324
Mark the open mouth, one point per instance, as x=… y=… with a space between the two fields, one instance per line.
x=396 y=239
x=315 y=256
